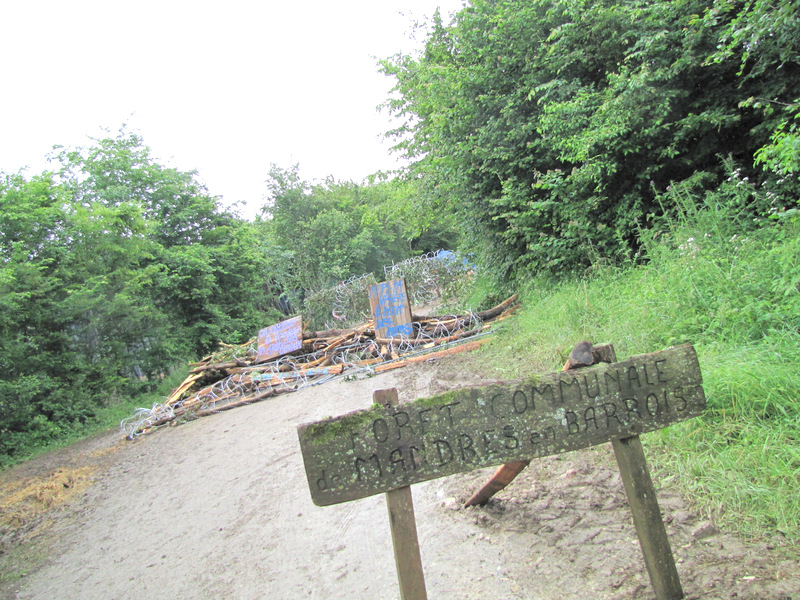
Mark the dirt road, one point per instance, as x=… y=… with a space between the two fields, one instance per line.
x=220 y=508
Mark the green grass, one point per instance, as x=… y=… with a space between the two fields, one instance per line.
x=736 y=297
x=105 y=418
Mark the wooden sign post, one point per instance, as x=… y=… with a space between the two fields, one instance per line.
x=389 y=446
x=404 y=527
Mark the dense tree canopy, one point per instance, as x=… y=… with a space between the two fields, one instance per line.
x=333 y=230
x=111 y=270
x=114 y=269
x=554 y=125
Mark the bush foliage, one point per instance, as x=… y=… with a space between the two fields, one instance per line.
x=554 y=127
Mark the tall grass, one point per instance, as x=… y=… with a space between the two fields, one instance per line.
x=730 y=285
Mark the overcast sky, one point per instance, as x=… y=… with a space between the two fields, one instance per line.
x=224 y=88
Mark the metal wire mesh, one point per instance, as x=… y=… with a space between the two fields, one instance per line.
x=291 y=373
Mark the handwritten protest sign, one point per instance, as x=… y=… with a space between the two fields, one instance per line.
x=390 y=309
x=279 y=339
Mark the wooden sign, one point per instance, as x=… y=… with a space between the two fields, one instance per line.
x=387 y=447
x=390 y=308
x=279 y=339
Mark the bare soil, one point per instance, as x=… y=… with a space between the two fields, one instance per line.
x=219 y=508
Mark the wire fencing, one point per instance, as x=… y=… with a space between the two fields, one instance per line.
x=440 y=275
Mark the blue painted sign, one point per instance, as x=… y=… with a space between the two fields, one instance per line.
x=279 y=339
x=390 y=309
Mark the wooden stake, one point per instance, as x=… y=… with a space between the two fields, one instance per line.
x=647 y=518
x=404 y=528
x=468 y=347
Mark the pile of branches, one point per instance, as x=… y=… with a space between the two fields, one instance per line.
x=231 y=377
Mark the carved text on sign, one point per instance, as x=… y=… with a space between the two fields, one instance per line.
x=372 y=451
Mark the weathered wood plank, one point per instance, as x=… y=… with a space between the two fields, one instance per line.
x=384 y=448
x=647 y=519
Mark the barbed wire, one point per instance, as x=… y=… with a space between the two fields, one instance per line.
x=428 y=277
x=431 y=276
x=291 y=373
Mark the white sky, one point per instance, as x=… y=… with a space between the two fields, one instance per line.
x=224 y=88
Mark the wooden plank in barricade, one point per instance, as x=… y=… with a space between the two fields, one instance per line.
x=391 y=310
x=279 y=339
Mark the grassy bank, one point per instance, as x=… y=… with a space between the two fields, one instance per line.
x=732 y=289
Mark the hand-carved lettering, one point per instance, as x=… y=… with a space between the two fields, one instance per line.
x=487 y=443
x=589 y=417
x=444 y=451
x=589 y=392
x=519 y=401
x=610 y=409
x=422 y=420
x=570 y=421
x=380 y=429
x=396 y=458
x=678 y=393
x=493 y=405
x=632 y=406
x=447 y=409
x=570 y=388
x=401 y=419
x=662 y=377
x=647 y=374
x=537 y=438
x=633 y=375
x=415 y=454
x=653 y=404
x=467 y=452
x=322 y=482
x=386 y=446
x=545 y=390
x=614 y=377
x=511 y=440
x=372 y=461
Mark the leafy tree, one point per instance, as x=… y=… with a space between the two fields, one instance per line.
x=74 y=317
x=552 y=126
x=763 y=37
x=111 y=271
x=333 y=230
x=205 y=267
